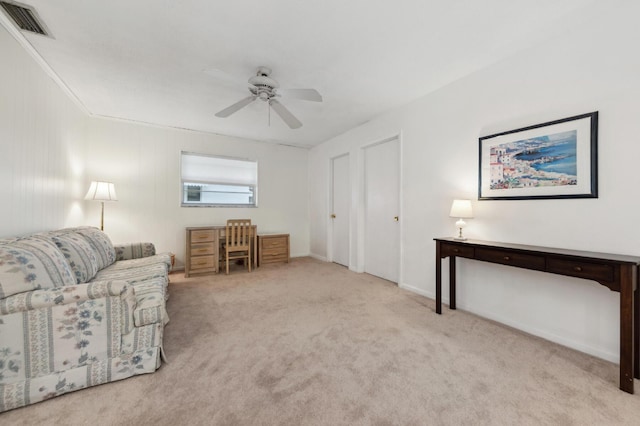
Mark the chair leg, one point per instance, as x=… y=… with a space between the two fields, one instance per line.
x=227 y=263
x=249 y=261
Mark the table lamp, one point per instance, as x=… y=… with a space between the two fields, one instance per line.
x=462 y=210
x=101 y=191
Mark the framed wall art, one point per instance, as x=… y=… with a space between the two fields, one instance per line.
x=558 y=159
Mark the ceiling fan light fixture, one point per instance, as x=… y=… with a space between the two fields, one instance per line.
x=263 y=80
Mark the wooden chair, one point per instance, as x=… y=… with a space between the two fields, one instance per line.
x=238 y=235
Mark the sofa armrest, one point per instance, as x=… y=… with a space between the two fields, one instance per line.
x=74 y=295
x=134 y=250
x=37 y=299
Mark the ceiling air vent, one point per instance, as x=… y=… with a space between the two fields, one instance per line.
x=24 y=17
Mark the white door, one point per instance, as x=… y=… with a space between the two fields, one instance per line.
x=382 y=201
x=340 y=200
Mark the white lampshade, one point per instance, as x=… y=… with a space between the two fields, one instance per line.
x=101 y=191
x=461 y=209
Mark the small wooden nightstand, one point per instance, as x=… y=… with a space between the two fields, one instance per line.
x=273 y=248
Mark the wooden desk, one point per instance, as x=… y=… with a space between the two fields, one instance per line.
x=202 y=254
x=617 y=272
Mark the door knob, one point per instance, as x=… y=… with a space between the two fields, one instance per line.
x=395 y=218
x=333 y=216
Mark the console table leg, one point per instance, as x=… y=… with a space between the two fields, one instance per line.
x=452 y=282
x=636 y=326
x=627 y=337
x=438 y=279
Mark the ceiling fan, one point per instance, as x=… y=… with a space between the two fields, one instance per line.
x=265 y=88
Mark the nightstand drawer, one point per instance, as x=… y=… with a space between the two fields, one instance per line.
x=202 y=262
x=274 y=257
x=505 y=257
x=275 y=243
x=593 y=271
x=270 y=251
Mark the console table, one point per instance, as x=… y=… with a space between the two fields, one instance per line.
x=617 y=272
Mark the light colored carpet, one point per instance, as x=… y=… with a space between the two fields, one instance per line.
x=311 y=343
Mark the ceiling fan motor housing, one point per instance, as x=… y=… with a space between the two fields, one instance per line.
x=264 y=86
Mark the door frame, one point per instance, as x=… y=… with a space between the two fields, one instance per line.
x=330 y=208
x=362 y=203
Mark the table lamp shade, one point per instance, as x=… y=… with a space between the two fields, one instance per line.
x=461 y=209
x=101 y=191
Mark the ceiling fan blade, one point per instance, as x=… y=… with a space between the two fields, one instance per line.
x=304 y=94
x=235 y=107
x=285 y=114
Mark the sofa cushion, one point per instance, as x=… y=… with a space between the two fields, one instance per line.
x=134 y=275
x=80 y=255
x=101 y=243
x=30 y=264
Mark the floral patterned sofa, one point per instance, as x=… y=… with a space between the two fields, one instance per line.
x=77 y=311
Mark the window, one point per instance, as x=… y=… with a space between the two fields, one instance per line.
x=210 y=181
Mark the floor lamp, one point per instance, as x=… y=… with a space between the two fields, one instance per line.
x=101 y=191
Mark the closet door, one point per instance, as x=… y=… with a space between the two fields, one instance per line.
x=340 y=201
x=382 y=207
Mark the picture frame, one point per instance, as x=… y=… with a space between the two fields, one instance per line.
x=553 y=160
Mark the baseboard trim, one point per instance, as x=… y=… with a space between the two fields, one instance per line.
x=599 y=353
x=318 y=257
x=417 y=290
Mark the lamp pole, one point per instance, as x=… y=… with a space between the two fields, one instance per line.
x=102 y=216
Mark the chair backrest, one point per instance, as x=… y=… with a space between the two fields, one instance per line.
x=238 y=233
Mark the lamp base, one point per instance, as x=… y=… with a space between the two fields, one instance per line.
x=460 y=224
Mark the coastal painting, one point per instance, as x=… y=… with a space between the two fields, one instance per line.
x=550 y=160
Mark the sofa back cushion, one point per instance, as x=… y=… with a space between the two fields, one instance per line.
x=80 y=254
x=101 y=244
x=30 y=264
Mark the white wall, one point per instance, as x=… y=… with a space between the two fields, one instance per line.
x=41 y=147
x=589 y=65
x=144 y=164
x=50 y=151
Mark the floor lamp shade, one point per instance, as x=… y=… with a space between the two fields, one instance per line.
x=101 y=191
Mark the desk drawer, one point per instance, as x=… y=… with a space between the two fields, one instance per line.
x=505 y=257
x=456 y=250
x=202 y=235
x=580 y=269
x=202 y=262
x=201 y=249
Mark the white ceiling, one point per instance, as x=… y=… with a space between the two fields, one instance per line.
x=176 y=63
